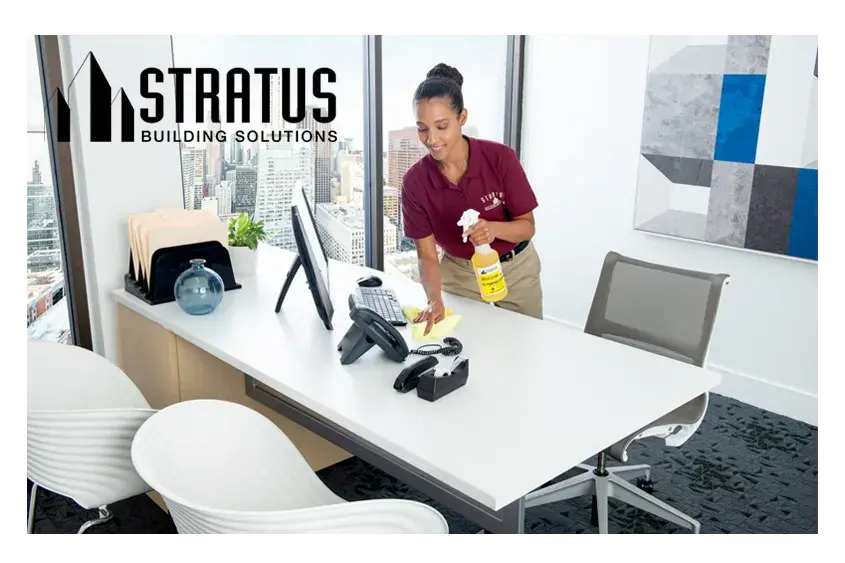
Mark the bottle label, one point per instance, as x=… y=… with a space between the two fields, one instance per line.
x=492 y=279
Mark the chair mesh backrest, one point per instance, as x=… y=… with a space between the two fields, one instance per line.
x=669 y=311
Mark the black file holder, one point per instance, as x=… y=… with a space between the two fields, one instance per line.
x=168 y=263
x=431 y=387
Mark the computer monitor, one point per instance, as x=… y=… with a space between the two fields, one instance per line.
x=311 y=255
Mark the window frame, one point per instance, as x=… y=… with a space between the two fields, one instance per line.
x=64 y=189
x=373 y=151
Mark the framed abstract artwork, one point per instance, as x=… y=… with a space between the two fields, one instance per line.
x=729 y=146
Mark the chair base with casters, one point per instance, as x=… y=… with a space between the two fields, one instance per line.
x=605 y=482
x=104 y=514
x=611 y=482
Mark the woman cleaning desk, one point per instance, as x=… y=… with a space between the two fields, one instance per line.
x=461 y=173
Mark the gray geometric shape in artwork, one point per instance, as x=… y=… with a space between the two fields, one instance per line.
x=814 y=165
x=681 y=170
x=747 y=54
x=770 y=209
x=681 y=115
x=682 y=224
x=695 y=59
x=819 y=70
x=730 y=195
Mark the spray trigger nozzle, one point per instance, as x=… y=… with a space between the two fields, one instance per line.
x=468 y=219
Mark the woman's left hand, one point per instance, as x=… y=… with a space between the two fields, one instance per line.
x=483 y=232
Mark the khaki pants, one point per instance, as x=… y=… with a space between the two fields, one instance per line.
x=522 y=275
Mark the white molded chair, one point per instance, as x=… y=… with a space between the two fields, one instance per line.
x=82 y=414
x=222 y=467
x=663 y=310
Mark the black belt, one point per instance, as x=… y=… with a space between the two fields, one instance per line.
x=508 y=256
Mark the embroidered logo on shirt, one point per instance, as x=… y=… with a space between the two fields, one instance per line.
x=493 y=200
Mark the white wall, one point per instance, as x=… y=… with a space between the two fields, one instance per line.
x=582 y=122
x=114 y=180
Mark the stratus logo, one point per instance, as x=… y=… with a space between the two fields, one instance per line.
x=238 y=82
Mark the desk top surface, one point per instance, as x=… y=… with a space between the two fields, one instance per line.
x=541 y=397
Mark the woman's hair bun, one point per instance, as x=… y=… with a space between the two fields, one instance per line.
x=443 y=70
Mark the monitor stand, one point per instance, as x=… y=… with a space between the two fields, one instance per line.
x=297 y=262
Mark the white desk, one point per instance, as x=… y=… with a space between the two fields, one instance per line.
x=526 y=415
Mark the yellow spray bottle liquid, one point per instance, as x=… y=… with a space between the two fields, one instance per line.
x=486 y=264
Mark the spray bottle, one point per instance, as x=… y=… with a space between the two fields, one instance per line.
x=485 y=262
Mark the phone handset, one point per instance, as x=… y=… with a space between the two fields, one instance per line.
x=368 y=329
x=381 y=332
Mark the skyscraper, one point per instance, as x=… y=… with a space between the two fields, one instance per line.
x=321 y=148
x=246 y=184
x=283 y=168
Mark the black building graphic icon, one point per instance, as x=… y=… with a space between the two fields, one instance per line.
x=101 y=109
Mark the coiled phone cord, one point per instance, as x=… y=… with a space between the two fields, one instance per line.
x=453 y=348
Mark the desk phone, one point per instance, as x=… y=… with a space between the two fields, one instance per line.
x=368 y=329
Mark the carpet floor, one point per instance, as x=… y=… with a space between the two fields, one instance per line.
x=745 y=471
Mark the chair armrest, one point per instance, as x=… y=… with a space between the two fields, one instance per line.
x=382 y=516
x=675 y=428
x=85 y=455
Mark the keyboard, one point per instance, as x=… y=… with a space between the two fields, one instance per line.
x=383 y=301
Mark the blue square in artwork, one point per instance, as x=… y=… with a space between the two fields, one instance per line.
x=739 y=117
x=804 y=232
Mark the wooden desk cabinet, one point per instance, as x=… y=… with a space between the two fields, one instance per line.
x=168 y=369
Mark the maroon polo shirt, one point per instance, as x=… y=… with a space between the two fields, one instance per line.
x=495 y=185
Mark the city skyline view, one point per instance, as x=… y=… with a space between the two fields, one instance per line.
x=480 y=59
x=259 y=178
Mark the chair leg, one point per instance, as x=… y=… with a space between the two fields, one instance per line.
x=602 y=493
x=630 y=472
x=31 y=520
x=577 y=486
x=105 y=516
x=629 y=494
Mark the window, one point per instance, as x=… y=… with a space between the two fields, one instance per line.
x=47 y=315
x=234 y=174
x=405 y=61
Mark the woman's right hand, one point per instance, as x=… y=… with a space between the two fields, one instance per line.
x=434 y=312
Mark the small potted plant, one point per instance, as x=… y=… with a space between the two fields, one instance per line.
x=244 y=236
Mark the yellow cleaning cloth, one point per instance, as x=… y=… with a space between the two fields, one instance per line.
x=439 y=331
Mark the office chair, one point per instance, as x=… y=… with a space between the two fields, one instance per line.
x=663 y=310
x=82 y=413
x=223 y=468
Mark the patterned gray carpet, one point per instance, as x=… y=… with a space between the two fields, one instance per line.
x=745 y=471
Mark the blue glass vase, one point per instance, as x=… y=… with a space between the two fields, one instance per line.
x=198 y=290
